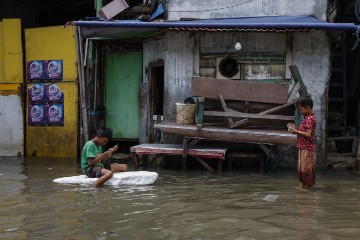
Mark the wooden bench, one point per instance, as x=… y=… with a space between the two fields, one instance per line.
x=246 y=91
x=198 y=153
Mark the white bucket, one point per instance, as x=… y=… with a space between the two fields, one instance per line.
x=185 y=113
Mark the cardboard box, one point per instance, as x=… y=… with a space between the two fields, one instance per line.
x=112 y=9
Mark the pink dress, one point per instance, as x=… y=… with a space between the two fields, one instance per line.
x=307 y=151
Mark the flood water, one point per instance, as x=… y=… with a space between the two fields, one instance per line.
x=238 y=205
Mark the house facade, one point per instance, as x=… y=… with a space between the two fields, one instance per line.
x=190 y=43
x=193 y=53
x=132 y=73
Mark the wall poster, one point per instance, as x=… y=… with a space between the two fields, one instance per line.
x=46 y=100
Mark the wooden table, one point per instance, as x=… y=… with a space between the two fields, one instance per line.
x=198 y=152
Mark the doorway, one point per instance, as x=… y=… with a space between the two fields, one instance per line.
x=156 y=76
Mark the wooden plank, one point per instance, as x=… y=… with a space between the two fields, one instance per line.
x=265 y=136
x=248 y=115
x=226 y=109
x=293 y=92
x=177 y=149
x=207 y=166
x=239 y=90
x=297 y=78
x=271 y=110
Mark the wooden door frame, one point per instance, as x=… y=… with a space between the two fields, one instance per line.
x=151 y=76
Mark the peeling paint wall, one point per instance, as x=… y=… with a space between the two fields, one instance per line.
x=244 y=8
x=176 y=49
x=310 y=53
x=51 y=43
x=182 y=52
x=11 y=76
x=11 y=125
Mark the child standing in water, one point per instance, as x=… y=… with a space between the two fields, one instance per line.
x=306 y=142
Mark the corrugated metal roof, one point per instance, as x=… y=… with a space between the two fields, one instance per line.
x=266 y=23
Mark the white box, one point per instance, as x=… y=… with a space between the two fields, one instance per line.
x=112 y=9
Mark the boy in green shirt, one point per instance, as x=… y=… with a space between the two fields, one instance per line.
x=93 y=160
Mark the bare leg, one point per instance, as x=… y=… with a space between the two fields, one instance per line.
x=118 y=167
x=105 y=175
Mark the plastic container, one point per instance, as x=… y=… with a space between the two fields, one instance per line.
x=185 y=113
x=344 y=145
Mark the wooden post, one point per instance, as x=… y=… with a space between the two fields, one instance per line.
x=185 y=149
x=297 y=78
x=200 y=112
x=80 y=59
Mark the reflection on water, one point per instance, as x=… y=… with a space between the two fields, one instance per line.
x=180 y=205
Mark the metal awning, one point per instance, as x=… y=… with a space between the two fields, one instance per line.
x=266 y=23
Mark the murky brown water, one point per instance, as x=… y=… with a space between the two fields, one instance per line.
x=181 y=205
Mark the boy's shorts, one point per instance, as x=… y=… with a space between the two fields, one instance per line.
x=95 y=171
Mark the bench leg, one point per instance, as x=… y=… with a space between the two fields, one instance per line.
x=135 y=159
x=220 y=164
x=207 y=166
x=185 y=150
x=262 y=164
x=230 y=162
x=154 y=159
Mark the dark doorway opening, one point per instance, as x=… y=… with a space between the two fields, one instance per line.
x=156 y=101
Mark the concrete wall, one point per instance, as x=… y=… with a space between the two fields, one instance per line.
x=310 y=53
x=182 y=52
x=51 y=43
x=11 y=76
x=177 y=50
x=244 y=8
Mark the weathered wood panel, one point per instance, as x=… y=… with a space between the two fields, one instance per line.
x=177 y=149
x=239 y=90
x=264 y=136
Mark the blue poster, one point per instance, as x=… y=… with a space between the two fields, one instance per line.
x=35 y=70
x=54 y=113
x=36 y=114
x=53 y=69
x=53 y=93
x=36 y=92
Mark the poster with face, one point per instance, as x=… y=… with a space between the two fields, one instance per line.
x=54 y=114
x=53 y=93
x=53 y=69
x=36 y=114
x=35 y=70
x=36 y=92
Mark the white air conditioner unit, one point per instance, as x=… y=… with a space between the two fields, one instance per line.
x=227 y=68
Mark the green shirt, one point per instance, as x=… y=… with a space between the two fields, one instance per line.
x=90 y=150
